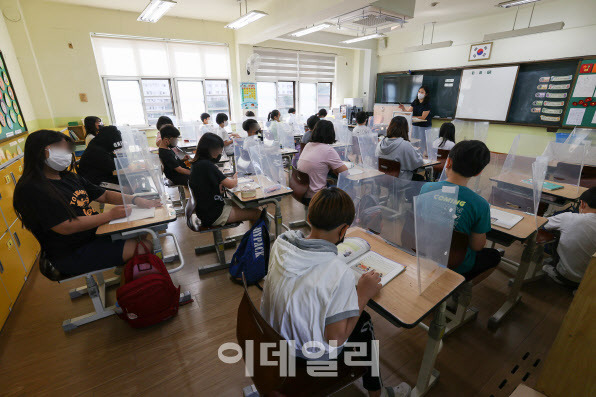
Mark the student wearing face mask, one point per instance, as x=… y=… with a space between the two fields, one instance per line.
x=92 y=126
x=273 y=122
x=222 y=122
x=173 y=167
x=420 y=108
x=54 y=204
x=207 y=183
x=97 y=163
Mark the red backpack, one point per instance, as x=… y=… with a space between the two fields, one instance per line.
x=148 y=295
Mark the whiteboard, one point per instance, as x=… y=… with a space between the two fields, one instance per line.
x=485 y=93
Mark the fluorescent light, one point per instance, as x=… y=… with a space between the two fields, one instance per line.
x=362 y=38
x=513 y=3
x=424 y=47
x=549 y=27
x=245 y=19
x=310 y=30
x=155 y=10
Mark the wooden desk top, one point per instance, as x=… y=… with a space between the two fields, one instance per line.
x=430 y=163
x=400 y=298
x=162 y=215
x=524 y=228
x=283 y=191
x=524 y=391
x=569 y=192
x=368 y=173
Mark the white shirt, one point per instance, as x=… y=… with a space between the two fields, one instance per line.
x=306 y=290
x=361 y=129
x=223 y=134
x=577 y=244
x=447 y=146
x=205 y=128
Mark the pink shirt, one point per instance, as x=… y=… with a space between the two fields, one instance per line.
x=316 y=160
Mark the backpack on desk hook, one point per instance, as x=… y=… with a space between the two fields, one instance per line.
x=148 y=295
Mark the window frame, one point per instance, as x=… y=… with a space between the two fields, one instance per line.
x=276 y=82
x=330 y=94
x=174 y=95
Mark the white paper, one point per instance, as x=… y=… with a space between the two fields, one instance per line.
x=594 y=118
x=585 y=85
x=448 y=84
x=504 y=219
x=135 y=215
x=576 y=115
x=355 y=171
x=449 y=80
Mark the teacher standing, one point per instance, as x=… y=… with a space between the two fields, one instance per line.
x=420 y=109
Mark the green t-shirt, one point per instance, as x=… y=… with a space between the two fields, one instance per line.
x=473 y=216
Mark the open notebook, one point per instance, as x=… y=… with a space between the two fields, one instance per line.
x=504 y=219
x=546 y=185
x=356 y=253
x=136 y=214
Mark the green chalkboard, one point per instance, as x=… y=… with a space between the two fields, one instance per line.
x=541 y=92
x=444 y=88
x=581 y=109
x=11 y=118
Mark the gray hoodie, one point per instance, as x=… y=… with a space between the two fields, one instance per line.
x=397 y=149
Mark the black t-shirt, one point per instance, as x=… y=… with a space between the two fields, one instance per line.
x=417 y=109
x=205 y=179
x=97 y=165
x=170 y=162
x=78 y=193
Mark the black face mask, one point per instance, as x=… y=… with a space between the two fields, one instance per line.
x=171 y=145
x=341 y=240
x=216 y=159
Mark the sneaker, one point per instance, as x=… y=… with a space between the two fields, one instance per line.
x=552 y=273
x=402 y=390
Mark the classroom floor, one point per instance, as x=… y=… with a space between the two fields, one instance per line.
x=179 y=357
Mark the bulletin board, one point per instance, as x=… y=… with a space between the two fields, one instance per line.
x=581 y=109
x=249 y=96
x=11 y=117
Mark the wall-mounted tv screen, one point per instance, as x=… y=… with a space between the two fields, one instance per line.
x=398 y=88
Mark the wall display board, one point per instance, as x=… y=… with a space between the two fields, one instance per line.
x=581 y=109
x=11 y=118
x=249 y=96
x=397 y=88
x=485 y=93
x=541 y=92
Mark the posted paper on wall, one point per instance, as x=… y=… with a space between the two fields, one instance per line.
x=585 y=86
x=576 y=115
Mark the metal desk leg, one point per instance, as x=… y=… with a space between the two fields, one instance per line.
x=514 y=295
x=428 y=375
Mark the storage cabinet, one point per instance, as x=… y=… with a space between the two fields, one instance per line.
x=26 y=244
x=5 y=304
x=6 y=193
x=12 y=271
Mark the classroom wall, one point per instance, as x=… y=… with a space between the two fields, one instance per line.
x=577 y=38
x=67 y=72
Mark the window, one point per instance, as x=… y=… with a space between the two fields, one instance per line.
x=280 y=72
x=324 y=96
x=271 y=96
x=148 y=78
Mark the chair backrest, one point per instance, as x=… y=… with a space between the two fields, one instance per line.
x=302 y=145
x=389 y=167
x=189 y=211
x=299 y=182
x=588 y=178
x=251 y=326
x=442 y=154
x=458 y=249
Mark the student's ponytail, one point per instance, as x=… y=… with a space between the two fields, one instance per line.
x=269 y=116
x=272 y=114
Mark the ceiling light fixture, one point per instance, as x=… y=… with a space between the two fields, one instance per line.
x=310 y=30
x=246 y=19
x=549 y=27
x=513 y=3
x=155 y=10
x=362 y=38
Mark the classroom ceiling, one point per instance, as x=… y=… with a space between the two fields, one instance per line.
x=210 y=10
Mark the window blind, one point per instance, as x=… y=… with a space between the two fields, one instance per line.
x=160 y=58
x=280 y=65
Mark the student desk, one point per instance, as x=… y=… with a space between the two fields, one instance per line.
x=263 y=198
x=126 y=230
x=569 y=193
x=366 y=174
x=400 y=303
x=525 y=232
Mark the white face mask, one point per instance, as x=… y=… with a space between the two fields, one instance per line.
x=225 y=123
x=58 y=159
x=420 y=96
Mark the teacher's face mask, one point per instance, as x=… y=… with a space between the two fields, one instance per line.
x=420 y=96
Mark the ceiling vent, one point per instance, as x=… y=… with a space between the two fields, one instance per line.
x=369 y=18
